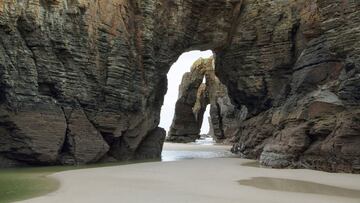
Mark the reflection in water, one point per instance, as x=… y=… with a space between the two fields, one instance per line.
x=205 y=141
x=288 y=185
x=168 y=155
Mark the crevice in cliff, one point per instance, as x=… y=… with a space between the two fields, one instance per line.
x=194 y=23
x=22 y=26
x=45 y=4
x=294 y=44
x=108 y=137
x=84 y=109
x=45 y=88
x=138 y=42
x=317 y=63
x=68 y=148
x=4 y=86
x=102 y=58
x=234 y=22
x=48 y=89
x=6 y=50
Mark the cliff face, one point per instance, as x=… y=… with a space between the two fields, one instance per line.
x=83 y=81
x=225 y=118
x=295 y=66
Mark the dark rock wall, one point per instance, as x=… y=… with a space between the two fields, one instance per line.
x=226 y=118
x=295 y=67
x=77 y=70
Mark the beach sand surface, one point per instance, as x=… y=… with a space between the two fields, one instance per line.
x=201 y=179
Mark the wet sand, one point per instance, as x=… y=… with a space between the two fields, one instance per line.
x=203 y=179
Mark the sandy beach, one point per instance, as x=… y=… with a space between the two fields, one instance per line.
x=223 y=180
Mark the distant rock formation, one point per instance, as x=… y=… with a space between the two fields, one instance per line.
x=194 y=96
x=83 y=81
x=211 y=132
x=191 y=104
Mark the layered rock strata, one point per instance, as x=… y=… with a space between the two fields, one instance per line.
x=76 y=70
x=225 y=118
x=295 y=67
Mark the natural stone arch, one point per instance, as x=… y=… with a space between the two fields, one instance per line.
x=103 y=64
x=191 y=104
x=194 y=96
x=98 y=65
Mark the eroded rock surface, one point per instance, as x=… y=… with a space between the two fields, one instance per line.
x=296 y=69
x=83 y=81
x=225 y=118
x=294 y=65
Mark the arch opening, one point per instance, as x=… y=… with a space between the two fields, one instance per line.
x=196 y=100
x=175 y=76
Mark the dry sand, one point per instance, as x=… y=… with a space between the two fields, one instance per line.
x=221 y=180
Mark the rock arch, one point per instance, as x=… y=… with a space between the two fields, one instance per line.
x=191 y=104
x=194 y=97
x=76 y=70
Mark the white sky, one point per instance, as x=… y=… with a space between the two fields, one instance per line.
x=177 y=70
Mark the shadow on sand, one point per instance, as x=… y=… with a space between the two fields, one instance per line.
x=288 y=185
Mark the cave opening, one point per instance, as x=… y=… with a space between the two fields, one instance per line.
x=175 y=81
